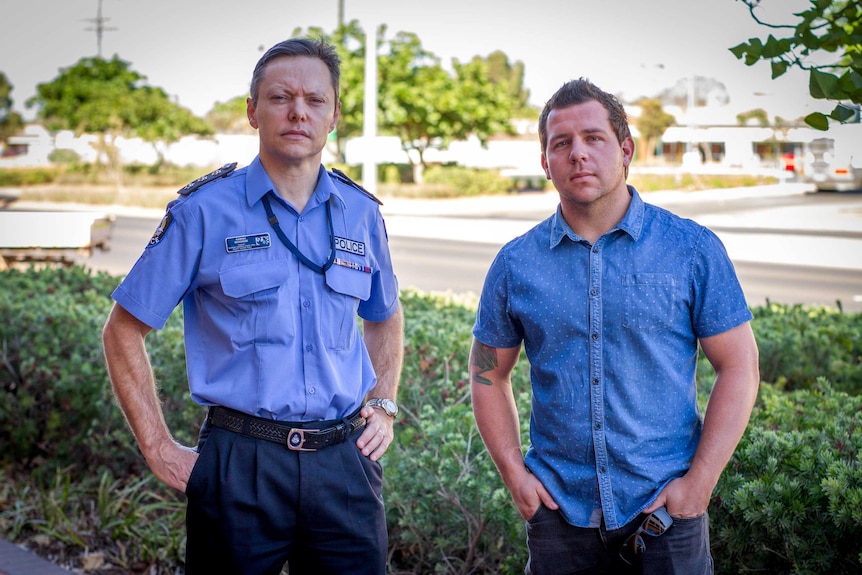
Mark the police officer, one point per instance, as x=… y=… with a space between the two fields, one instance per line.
x=272 y=263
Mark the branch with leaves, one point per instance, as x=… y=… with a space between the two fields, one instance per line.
x=826 y=27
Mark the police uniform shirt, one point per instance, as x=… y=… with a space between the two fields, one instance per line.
x=264 y=333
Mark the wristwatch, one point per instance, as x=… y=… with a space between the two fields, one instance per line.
x=389 y=406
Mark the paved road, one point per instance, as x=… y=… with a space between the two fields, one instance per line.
x=788 y=246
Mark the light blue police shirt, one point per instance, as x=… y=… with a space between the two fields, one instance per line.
x=264 y=334
x=611 y=333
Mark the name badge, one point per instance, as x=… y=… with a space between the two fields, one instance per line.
x=245 y=243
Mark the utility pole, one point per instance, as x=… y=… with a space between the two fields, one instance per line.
x=99 y=28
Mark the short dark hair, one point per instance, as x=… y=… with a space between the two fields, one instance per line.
x=308 y=47
x=578 y=92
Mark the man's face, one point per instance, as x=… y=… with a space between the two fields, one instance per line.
x=295 y=111
x=583 y=157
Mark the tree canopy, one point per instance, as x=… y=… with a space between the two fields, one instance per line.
x=419 y=101
x=107 y=97
x=652 y=123
x=830 y=29
x=10 y=120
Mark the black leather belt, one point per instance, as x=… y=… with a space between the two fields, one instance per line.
x=295 y=438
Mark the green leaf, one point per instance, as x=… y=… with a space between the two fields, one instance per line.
x=823 y=85
x=842 y=113
x=778 y=68
x=739 y=50
x=817 y=121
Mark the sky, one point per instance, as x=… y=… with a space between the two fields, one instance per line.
x=203 y=51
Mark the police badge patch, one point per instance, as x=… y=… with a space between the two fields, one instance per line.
x=161 y=230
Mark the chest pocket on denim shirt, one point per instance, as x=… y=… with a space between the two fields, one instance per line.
x=648 y=300
x=338 y=321
x=253 y=300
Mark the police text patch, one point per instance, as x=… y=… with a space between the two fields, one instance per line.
x=245 y=243
x=351 y=246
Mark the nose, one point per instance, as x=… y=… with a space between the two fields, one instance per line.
x=578 y=152
x=296 y=111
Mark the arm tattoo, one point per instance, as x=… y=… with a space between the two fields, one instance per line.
x=484 y=360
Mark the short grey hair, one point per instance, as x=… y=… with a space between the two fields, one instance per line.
x=307 y=47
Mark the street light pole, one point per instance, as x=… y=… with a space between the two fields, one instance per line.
x=369 y=130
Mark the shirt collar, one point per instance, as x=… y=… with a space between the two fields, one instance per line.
x=258 y=183
x=632 y=222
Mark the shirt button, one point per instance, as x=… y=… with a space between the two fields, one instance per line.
x=306 y=303
x=596 y=381
x=597 y=425
x=595 y=336
x=602 y=469
x=310 y=390
x=593 y=292
x=309 y=347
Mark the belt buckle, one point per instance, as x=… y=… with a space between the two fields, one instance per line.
x=296 y=440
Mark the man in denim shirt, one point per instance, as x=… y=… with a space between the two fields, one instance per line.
x=610 y=297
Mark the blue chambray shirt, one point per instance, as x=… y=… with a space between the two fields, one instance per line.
x=611 y=333
x=264 y=334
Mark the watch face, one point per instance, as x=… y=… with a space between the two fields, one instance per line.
x=390 y=407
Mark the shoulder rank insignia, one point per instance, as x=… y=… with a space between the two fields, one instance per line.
x=342 y=177
x=194 y=185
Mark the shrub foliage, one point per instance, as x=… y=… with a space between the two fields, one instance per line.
x=72 y=480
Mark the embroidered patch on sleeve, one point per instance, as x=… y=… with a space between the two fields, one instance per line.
x=160 y=232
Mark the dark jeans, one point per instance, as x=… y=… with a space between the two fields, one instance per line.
x=558 y=548
x=254 y=504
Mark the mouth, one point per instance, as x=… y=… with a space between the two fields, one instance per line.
x=294 y=134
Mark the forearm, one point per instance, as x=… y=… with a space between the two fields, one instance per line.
x=132 y=380
x=494 y=408
x=385 y=343
x=725 y=421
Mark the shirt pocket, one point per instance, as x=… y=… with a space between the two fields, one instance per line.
x=347 y=287
x=254 y=300
x=647 y=301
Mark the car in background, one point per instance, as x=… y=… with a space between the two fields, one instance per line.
x=834 y=162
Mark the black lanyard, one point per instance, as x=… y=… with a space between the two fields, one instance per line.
x=295 y=250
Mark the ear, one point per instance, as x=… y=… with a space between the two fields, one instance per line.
x=545 y=167
x=250 y=112
x=628 y=147
x=335 y=116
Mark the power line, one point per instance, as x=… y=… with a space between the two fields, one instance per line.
x=100 y=28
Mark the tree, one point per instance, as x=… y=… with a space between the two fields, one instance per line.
x=652 y=123
x=758 y=114
x=510 y=78
x=828 y=28
x=230 y=117
x=10 y=120
x=108 y=98
x=426 y=107
x=419 y=101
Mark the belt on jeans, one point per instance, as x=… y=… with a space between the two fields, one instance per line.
x=295 y=438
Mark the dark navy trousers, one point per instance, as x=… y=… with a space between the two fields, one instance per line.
x=254 y=505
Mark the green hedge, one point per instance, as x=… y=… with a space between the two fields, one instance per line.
x=789 y=502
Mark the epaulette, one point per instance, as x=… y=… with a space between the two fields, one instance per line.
x=194 y=185
x=342 y=177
